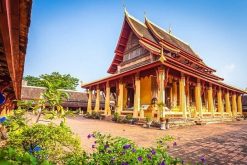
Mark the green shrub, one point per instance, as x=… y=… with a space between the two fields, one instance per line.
x=95 y=115
x=129 y=117
x=116 y=117
x=16 y=121
x=52 y=142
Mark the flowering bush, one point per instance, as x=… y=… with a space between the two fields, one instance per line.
x=10 y=155
x=56 y=144
x=117 y=150
x=51 y=142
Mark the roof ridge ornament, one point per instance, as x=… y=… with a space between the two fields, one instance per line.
x=124 y=7
x=162 y=56
x=170 y=29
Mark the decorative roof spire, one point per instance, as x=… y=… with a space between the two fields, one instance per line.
x=124 y=7
x=170 y=29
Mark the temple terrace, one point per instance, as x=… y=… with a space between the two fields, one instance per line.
x=154 y=74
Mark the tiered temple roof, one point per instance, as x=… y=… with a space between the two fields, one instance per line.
x=157 y=41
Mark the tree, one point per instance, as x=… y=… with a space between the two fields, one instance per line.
x=59 y=81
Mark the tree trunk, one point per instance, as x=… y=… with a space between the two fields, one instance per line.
x=39 y=114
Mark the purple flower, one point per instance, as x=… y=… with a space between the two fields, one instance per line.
x=127 y=146
x=174 y=144
x=36 y=149
x=106 y=146
x=133 y=150
x=149 y=156
x=153 y=152
x=2 y=119
x=140 y=158
x=123 y=152
x=89 y=136
x=163 y=163
x=30 y=150
x=124 y=163
x=93 y=146
x=202 y=159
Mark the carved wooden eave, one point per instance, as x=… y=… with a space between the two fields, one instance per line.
x=149 y=47
x=14 y=25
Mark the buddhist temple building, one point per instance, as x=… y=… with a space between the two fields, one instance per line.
x=14 y=26
x=152 y=64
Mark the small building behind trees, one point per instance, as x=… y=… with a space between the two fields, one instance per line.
x=77 y=100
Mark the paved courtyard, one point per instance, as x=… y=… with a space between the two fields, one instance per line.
x=217 y=143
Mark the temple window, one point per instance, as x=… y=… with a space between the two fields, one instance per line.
x=135 y=53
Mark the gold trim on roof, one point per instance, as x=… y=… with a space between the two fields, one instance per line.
x=132 y=26
x=149 y=47
x=169 y=48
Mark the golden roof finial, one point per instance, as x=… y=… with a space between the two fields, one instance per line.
x=170 y=29
x=124 y=6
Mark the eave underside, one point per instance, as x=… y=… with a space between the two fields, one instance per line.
x=14 y=25
x=148 y=67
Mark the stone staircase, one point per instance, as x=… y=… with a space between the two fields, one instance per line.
x=213 y=120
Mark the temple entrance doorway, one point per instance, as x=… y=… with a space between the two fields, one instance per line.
x=130 y=96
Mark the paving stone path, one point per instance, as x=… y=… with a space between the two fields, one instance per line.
x=224 y=143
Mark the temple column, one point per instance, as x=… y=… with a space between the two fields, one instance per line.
x=161 y=90
x=137 y=99
x=120 y=96
x=175 y=92
x=240 y=104
x=198 y=98
x=182 y=95
x=89 y=102
x=107 y=99
x=210 y=100
x=219 y=100
x=97 y=101
x=188 y=98
x=234 y=105
x=228 y=104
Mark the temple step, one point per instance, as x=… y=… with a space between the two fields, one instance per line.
x=203 y=121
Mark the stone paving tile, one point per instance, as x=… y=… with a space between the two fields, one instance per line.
x=217 y=143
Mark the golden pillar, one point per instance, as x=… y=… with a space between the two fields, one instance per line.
x=220 y=103
x=182 y=96
x=198 y=98
x=97 y=101
x=120 y=96
x=137 y=98
x=240 y=104
x=161 y=91
x=228 y=104
x=175 y=92
x=210 y=100
x=89 y=101
x=107 y=99
x=234 y=105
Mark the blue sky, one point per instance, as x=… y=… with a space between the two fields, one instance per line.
x=79 y=37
